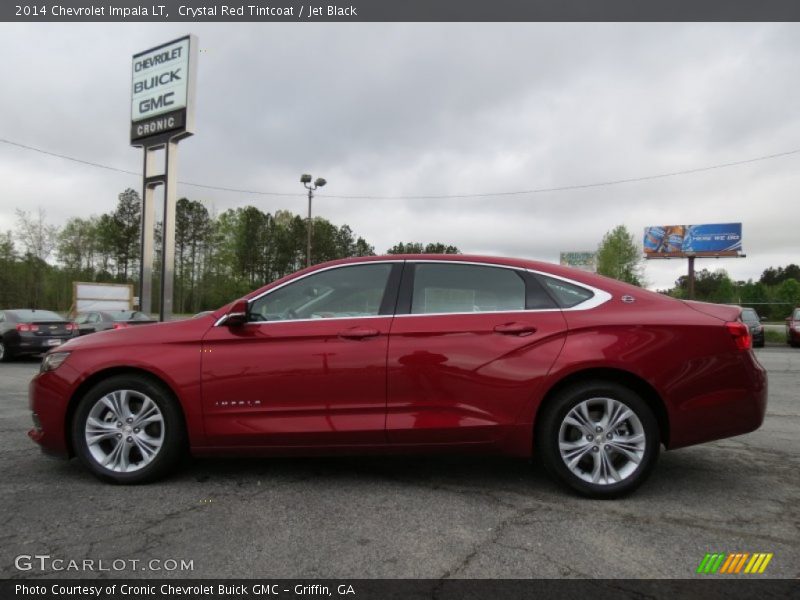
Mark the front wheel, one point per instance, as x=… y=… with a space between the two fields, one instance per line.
x=128 y=429
x=600 y=438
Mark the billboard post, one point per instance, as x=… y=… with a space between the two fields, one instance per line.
x=712 y=240
x=162 y=114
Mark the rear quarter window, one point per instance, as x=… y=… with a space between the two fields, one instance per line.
x=566 y=294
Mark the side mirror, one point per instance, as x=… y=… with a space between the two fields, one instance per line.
x=237 y=315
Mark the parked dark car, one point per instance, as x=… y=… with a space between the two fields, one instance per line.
x=793 y=328
x=25 y=331
x=415 y=353
x=101 y=320
x=753 y=322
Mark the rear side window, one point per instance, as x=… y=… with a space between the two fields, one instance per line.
x=454 y=288
x=566 y=294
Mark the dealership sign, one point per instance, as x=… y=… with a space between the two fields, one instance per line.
x=715 y=239
x=586 y=261
x=162 y=89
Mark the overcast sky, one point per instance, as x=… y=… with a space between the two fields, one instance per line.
x=411 y=109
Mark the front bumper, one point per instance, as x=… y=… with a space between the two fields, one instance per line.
x=48 y=399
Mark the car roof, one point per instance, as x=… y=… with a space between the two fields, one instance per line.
x=580 y=276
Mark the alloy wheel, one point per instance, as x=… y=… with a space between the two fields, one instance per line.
x=602 y=441
x=124 y=431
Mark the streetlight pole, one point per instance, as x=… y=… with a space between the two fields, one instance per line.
x=305 y=179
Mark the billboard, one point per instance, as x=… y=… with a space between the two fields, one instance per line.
x=585 y=261
x=711 y=239
x=88 y=296
x=162 y=89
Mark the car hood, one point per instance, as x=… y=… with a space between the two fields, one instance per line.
x=172 y=332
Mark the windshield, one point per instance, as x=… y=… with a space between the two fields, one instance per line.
x=749 y=315
x=35 y=316
x=124 y=315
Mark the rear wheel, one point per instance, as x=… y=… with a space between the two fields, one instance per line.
x=129 y=429
x=600 y=438
x=5 y=355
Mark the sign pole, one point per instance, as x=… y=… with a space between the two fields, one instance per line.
x=148 y=222
x=168 y=231
x=690 y=282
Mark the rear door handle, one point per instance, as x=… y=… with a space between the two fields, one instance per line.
x=358 y=333
x=520 y=329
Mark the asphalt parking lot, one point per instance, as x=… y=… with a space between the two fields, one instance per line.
x=408 y=517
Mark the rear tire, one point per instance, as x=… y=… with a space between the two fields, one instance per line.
x=5 y=354
x=599 y=438
x=129 y=429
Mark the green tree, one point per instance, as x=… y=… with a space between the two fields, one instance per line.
x=776 y=275
x=620 y=257
x=420 y=248
x=192 y=232
x=788 y=292
x=77 y=243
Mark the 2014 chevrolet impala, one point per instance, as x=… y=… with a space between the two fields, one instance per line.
x=414 y=353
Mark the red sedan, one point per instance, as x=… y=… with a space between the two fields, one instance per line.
x=793 y=328
x=416 y=353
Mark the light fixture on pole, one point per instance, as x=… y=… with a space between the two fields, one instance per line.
x=305 y=179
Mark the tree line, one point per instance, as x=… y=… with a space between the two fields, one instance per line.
x=218 y=257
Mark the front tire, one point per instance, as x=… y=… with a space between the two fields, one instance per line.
x=129 y=429
x=599 y=438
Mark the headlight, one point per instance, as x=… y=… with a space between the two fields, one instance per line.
x=52 y=361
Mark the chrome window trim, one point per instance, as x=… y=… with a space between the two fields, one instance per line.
x=600 y=296
x=221 y=320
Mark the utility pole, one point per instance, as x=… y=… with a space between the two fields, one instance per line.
x=305 y=179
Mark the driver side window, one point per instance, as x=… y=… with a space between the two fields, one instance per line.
x=349 y=291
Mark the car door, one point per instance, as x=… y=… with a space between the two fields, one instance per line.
x=309 y=366
x=469 y=347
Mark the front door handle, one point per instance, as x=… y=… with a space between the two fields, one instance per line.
x=516 y=328
x=358 y=333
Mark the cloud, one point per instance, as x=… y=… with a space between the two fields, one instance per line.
x=418 y=109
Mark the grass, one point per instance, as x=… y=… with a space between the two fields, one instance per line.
x=775 y=336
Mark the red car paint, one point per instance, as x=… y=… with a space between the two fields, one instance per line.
x=406 y=382
x=793 y=328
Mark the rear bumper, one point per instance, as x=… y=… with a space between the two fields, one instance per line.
x=38 y=345
x=734 y=409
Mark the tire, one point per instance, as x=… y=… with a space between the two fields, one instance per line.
x=604 y=466
x=132 y=454
x=5 y=354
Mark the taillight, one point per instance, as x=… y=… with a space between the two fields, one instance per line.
x=120 y=325
x=27 y=327
x=740 y=334
x=70 y=326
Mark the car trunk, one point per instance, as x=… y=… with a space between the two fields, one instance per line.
x=51 y=329
x=724 y=312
